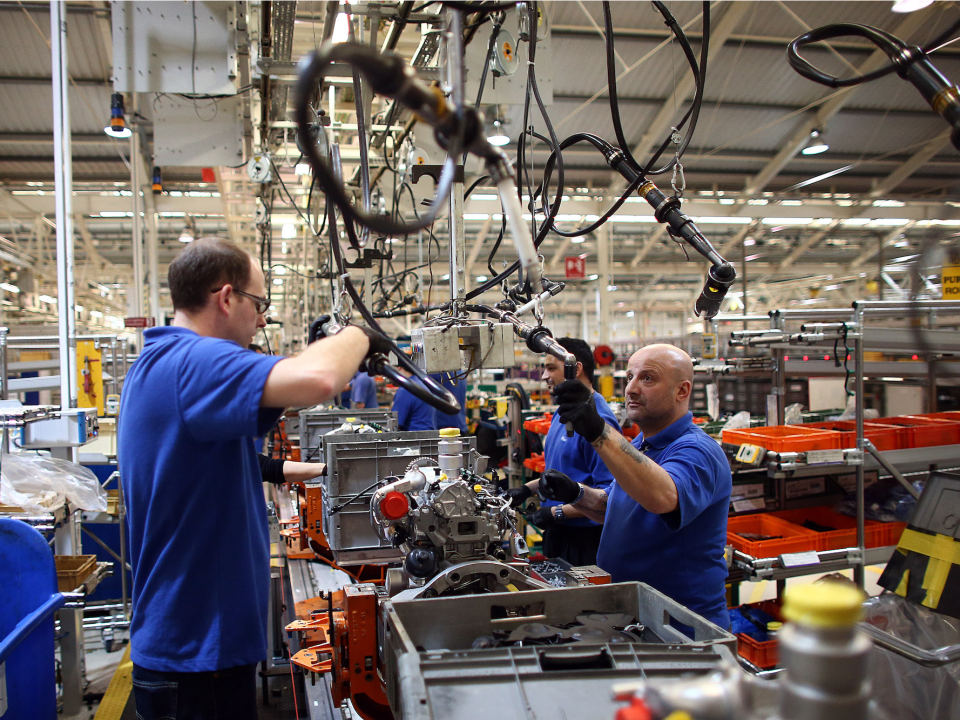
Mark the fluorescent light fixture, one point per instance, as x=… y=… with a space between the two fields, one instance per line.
x=186 y=235
x=815 y=145
x=749 y=241
x=727 y=201
x=78 y=308
x=49 y=300
x=611 y=288
x=888 y=203
x=482 y=278
x=888 y=222
x=593 y=277
x=115 y=213
x=757 y=201
x=786 y=221
x=341 y=29
x=302 y=169
x=485 y=197
x=577 y=240
x=278 y=281
x=9 y=288
x=630 y=313
x=723 y=220
x=476 y=216
x=634 y=219
x=288 y=231
x=905 y=6
x=445 y=277
x=96 y=314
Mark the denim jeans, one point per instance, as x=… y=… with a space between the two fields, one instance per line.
x=217 y=695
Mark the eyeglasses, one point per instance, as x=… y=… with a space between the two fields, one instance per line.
x=262 y=303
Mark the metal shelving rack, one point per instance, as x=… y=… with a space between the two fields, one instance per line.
x=826 y=327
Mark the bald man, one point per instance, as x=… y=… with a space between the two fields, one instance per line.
x=666 y=520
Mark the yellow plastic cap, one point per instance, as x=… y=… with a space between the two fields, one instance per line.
x=774 y=626
x=827 y=605
x=450 y=432
x=351 y=419
x=478 y=488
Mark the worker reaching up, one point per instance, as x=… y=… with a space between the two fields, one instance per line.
x=665 y=520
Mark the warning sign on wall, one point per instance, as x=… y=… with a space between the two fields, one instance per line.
x=950 y=276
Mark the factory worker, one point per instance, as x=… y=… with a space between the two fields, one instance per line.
x=666 y=518
x=363 y=392
x=412 y=412
x=567 y=532
x=193 y=403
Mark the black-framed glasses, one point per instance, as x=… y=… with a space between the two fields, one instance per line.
x=262 y=303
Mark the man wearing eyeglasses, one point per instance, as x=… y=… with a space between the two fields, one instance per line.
x=193 y=403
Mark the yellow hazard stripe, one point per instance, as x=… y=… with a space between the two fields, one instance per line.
x=944 y=553
x=118 y=693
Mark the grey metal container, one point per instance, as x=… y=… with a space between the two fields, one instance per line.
x=354 y=464
x=432 y=673
x=314 y=424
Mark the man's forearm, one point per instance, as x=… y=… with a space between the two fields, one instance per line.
x=639 y=476
x=301 y=471
x=592 y=505
x=318 y=373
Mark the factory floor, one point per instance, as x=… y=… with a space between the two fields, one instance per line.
x=101 y=666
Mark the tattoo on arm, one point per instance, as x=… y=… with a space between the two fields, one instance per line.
x=611 y=435
x=593 y=502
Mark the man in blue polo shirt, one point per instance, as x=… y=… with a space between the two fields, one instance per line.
x=666 y=520
x=567 y=532
x=412 y=412
x=193 y=404
x=363 y=392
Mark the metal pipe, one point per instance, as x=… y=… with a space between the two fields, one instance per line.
x=3 y=363
x=121 y=516
x=885 y=464
x=858 y=570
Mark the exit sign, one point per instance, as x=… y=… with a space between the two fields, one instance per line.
x=576 y=267
x=139 y=322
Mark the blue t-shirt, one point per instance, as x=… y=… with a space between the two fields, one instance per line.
x=459 y=389
x=363 y=389
x=199 y=539
x=577 y=458
x=412 y=412
x=679 y=553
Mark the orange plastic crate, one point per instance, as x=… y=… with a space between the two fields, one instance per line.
x=953 y=415
x=535 y=462
x=923 y=431
x=893 y=532
x=763 y=654
x=790 y=538
x=884 y=437
x=786 y=438
x=540 y=425
x=875 y=533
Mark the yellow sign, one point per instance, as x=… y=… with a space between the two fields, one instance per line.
x=950 y=282
x=89 y=377
x=709 y=346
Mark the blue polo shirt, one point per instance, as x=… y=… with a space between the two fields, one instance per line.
x=412 y=412
x=199 y=540
x=363 y=389
x=577 y=458
x=458 y=387
x=679 y=553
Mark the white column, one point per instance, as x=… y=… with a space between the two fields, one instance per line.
x=137 y=239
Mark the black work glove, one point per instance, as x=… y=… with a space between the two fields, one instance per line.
x=379 y=343
x=577 y=407
x=542 y=517
x=517 y=496
x=316 y=329
x=554 y=485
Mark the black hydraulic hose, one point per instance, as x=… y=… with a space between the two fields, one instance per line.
x=693 y=113
x=910 y=62
x=890 y=44
x=388 y=75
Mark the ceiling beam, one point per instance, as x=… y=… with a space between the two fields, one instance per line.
x=916 y=161
x=806 y=244
x=649 y=243
x=796 y=142
x=873 y=249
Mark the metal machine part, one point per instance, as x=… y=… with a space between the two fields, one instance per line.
x=443 y=518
